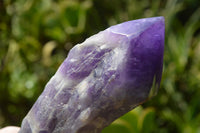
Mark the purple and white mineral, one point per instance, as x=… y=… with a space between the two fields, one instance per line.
x=102 y=78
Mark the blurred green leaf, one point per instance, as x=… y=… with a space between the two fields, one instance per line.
x=146 y=122
x=138 y=120
x=118 y=126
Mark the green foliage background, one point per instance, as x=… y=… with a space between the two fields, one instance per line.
x=36 y=35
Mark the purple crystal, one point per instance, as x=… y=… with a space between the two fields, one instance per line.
x=102 y=78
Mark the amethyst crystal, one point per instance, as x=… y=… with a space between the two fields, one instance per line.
x=102 y=78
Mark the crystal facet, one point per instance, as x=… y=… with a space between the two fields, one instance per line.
x=102 y=78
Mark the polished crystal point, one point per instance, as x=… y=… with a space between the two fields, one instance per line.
x=102 y=78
